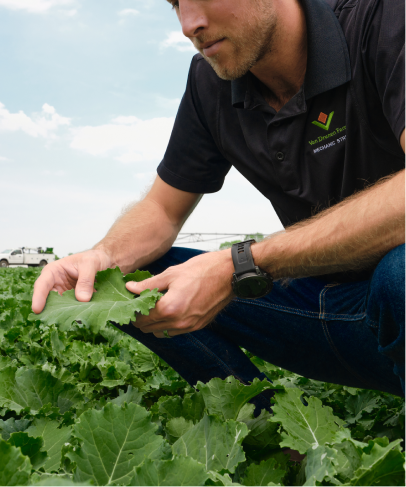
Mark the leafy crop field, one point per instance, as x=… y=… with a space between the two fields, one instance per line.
x=82 y=403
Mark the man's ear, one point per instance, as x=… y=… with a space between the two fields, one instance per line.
x=402 y=140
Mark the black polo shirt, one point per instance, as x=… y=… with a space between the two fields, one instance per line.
x=339 y=133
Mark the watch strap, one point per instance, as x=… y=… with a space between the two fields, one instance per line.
x=242 y=257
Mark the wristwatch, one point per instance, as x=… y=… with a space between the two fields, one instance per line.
x=249 y=281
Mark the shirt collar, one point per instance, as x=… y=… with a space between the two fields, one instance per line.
x=328 y=61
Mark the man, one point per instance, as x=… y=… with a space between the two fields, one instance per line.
x=306 y=100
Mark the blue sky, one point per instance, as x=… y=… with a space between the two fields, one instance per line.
x=88 y=95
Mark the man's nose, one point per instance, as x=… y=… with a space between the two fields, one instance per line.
x=192 y=18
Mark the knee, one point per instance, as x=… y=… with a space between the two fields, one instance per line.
x=386 y=302
x=388 y=280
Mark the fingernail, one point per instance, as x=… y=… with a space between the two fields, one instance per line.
x=85 y=294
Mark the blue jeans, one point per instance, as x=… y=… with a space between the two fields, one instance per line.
x=351 y=334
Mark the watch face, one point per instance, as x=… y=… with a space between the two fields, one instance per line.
x=252 y=287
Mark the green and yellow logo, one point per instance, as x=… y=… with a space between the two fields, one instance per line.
x=324 y=121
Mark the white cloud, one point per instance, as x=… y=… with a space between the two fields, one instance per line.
x=177 y=40
x=128 y=12
x=129 y=120
x=4 y=159
x=43 y=124
x=34 y=6
x=128 y=139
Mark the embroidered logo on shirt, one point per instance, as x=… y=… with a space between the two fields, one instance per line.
x=324 y=121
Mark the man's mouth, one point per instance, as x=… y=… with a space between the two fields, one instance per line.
x=211 y=48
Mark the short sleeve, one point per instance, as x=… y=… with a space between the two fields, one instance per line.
x=386 y=59
x=192 y=161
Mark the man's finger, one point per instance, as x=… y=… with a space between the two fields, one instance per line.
x=155 y=316
x=43 y=285
x=164 y=312
x=175 y=327
x=161 y=281
x=85 y=285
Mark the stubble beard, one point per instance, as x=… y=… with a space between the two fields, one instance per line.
x=248 y=48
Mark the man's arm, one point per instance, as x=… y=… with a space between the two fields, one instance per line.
x=147 y=231
x=350 y=236
x=144 y=233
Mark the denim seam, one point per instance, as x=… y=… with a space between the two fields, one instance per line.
x=322 y=314
x=300 y=312
x=322 y=301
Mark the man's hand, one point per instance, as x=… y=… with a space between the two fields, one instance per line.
x=76 y=271
x=196 y=292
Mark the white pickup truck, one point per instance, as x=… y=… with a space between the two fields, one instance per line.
x=32 y=257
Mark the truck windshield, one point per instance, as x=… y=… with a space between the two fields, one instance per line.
x=7 y=251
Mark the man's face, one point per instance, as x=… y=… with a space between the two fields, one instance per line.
x=232 y=35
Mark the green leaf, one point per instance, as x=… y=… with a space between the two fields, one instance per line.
x=15 y=468
x=177 y=427
x=348 y=459
x=143 y=357
x=364 y=401
x=383 y=465
x=111 y=302
x=132 y=395
x=227 y=397
x=54 y=439
x=6 y=362
x=191 y=407
x=306 y=426
x=263 y=433
x=157 y=380
x=12 y=426
x=111 y=384
x=58 y=482
x=214 y=442
x=57 y=344
x=78 y=352
x=246 y=413
x=30 y=447
x=113 y=442
x=264 y=473
x=33 y=389
x=178 y=471
x=218 y=479
x=320 y=464
x=137 y=276
x=171 y=408
x=113 y=335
